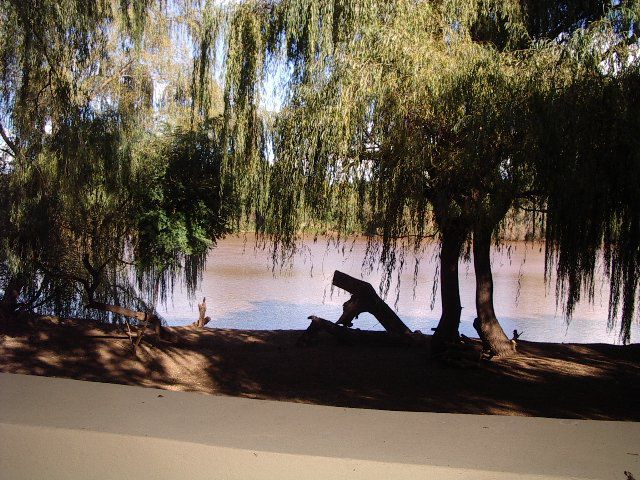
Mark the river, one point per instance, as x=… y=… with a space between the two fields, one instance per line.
x=244 y=292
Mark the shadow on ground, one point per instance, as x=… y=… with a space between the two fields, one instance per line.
x=549 y=380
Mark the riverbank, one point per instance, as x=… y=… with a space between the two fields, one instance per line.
x=594 y=381
x=244 y=292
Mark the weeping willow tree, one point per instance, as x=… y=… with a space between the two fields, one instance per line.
x=557 y=46
x=401 y=116
x=591 y=184
x=103 y=207
x=402 y=119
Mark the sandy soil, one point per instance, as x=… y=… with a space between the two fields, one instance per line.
x=594 y=381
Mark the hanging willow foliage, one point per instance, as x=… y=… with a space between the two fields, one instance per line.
x=593 y=190
x=399 y=117
x=404 y=115
x=101 y=203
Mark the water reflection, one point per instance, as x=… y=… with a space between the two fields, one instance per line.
x=243 y=292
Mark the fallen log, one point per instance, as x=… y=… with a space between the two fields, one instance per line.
x=365 y=299
x=145 y=319
x=354 y=336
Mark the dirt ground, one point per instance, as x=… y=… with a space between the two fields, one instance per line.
x=595 y=381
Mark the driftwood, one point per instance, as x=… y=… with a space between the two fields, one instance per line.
x=202 y=310
x=363 y=299
x=145 y=320
x=355 y=336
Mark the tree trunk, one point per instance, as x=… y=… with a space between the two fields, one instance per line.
x=11 y=294
x=446 y=332
x=494 y=340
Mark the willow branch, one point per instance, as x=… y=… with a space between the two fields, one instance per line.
x=533 y=210
x=529 y=194
x=100 y=87
x=407 y=236
x=60 y=274
x=8 y=141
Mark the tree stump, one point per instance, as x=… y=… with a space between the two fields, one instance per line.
x=202 y=310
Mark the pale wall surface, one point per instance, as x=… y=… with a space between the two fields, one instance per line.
x=57 y=428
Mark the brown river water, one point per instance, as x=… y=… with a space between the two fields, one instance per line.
x=243 y=291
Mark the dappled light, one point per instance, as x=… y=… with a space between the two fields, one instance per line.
x=565 y=381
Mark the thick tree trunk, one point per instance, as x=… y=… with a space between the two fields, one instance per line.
x=494 y=340
x=365 y=299
x=447 y=330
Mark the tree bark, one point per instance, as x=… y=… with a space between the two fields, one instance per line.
x=494 y=340
x=446 y=332
x=365 y=299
